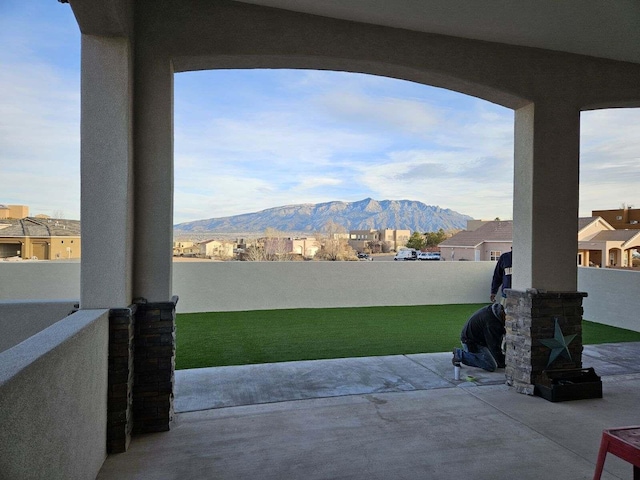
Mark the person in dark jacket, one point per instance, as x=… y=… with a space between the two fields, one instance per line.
x=501 y=277
x=481 y=339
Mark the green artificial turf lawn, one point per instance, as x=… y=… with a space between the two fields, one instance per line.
x=265 y=336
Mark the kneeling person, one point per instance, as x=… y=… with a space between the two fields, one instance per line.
x=481 y=339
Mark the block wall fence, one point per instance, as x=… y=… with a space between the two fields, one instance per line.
x=613 y=295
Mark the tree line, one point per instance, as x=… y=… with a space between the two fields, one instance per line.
x=421 y=241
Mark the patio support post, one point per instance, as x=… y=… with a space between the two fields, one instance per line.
x=106 y=209
x=545 y=204
x=154 y=177
x=543 y=297
x=155 y=317
x=106 y=152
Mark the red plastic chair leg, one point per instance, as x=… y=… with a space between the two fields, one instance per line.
x=602 y=454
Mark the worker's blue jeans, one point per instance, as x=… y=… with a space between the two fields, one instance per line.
x=481 y=358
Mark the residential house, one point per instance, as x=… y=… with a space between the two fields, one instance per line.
x=361 y=240
x=40 y=238
x=306 y=247
x=482 y=241
x=601 y=245
x=621 y=218
x=179 y=247
x=303 y=246
x=216 y=248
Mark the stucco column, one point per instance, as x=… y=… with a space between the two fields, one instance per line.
x=154 y=176
x=106 y=172
x=546 y=177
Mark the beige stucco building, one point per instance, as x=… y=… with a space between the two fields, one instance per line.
x=306 y=247
x=179 y=247
x=621 y=218
x=40 y=239
x=362 y=240
x=13 y=211
x=599 y=244
x=216 y=249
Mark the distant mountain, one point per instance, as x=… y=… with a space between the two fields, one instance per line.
x=363 y=215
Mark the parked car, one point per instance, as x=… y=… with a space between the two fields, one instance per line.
x=429 y=256
x=364 y=256
x=406 y=255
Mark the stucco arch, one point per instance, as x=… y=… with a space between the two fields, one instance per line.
x=132 y=49
x=201 y=35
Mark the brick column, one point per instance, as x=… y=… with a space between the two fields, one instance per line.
x=120 y=379
x=154 y=366
x=531 y=317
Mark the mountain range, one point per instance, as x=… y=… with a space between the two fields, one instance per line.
x=361 y=215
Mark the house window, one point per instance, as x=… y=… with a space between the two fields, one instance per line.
x=495 y=255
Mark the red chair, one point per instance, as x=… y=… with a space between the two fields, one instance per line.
x=623 y=442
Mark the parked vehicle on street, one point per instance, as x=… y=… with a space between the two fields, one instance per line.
x=364 y=256
x=407 y=254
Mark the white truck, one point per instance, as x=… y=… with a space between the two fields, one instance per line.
x=406 y=254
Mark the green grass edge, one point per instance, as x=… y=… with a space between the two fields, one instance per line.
x=215 y=339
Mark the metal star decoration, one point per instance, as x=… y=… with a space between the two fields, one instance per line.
x=559 y=344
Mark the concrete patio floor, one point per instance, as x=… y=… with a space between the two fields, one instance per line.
x=395 y=417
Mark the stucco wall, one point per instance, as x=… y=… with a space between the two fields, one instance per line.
x=20 y=319
x=614 y=296
x=228 y=286
x=53 y=399
x=39 y=280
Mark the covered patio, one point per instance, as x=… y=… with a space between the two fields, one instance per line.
x=401 y=417
x=547 y=61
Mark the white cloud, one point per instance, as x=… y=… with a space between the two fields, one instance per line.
x=316 y=182
x=446 y=181
x=610 y=159
x=393 y=115
x=250 y=140
x=40 y=139
x=355 y=139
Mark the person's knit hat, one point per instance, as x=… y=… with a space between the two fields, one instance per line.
x=498 y=310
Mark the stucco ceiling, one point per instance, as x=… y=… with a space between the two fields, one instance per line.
x=607 y=29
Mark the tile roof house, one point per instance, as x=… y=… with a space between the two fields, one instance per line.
x=487 y=241
x=39 y=238
x=599 y=244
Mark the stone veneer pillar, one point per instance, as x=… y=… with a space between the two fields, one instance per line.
x=120 y=379
x=531 y=317
x=154 y=366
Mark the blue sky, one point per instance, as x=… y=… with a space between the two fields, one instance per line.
x=250 y=140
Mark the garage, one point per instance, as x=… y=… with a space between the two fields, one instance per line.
x=10 y=249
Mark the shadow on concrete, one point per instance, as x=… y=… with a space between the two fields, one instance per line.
x=393 y=417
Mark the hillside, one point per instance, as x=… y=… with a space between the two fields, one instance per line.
x=362 y=215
